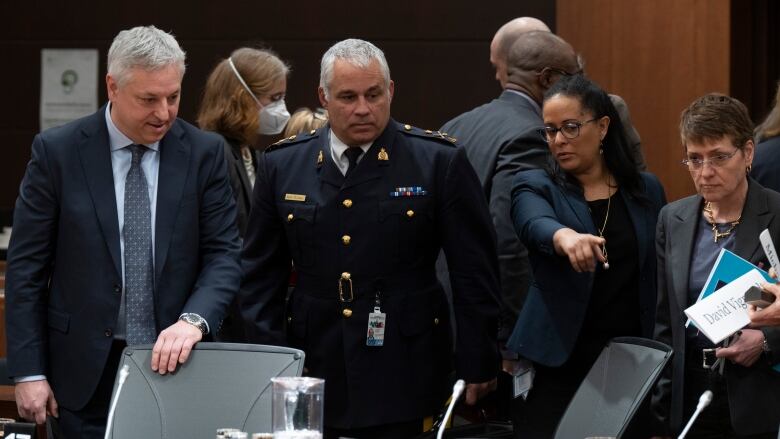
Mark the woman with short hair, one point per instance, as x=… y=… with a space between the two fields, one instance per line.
x=728 y=212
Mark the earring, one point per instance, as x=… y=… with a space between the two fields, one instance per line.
x=749 y=167
x=601 y=148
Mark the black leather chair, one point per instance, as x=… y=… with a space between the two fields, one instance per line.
x=615 y=387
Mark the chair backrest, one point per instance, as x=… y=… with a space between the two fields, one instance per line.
x=619 y=380
x=222 y=385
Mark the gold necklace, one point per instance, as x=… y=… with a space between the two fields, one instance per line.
x=716 y=235
x=604 y=227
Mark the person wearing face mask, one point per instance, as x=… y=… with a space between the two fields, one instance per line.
x=243 y=99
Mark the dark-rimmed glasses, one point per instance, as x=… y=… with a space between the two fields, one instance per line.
x=563 y=72
x=715 y=161
x=570 y=130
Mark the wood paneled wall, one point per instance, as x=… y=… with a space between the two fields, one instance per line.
x=659 y=55
x=437 y=51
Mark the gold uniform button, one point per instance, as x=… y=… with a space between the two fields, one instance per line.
x=347 y=203
x=346 y=239
x=407 y=127
x=345 y=275
x=311 y=133
x=436 y=321
x=347 y=312
x=289 y=319
x=410 y=213
x=290 y=217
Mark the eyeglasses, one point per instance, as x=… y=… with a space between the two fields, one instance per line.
x=563 y=72
x=716 y=161
x=570 y=130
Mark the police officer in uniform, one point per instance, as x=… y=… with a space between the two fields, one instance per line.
x=362 y=207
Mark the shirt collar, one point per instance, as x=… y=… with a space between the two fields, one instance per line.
x=337 y=147
x=117 y=139
x=528 y=98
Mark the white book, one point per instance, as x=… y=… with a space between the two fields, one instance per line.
x=724 y=312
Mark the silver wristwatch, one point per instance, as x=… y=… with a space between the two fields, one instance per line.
x=196 y=321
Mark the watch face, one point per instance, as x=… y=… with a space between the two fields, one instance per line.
x=195 y=321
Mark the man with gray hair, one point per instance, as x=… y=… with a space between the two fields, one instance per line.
x=361 y=208
x=124 y=234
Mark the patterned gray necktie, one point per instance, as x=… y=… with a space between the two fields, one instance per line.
x=137 y=232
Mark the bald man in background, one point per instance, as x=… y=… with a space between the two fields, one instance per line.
x=503 y=39
x=499 y=50
x=500 y=139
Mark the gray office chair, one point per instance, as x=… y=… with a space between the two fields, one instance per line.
x=615 y=387
x=222 y=385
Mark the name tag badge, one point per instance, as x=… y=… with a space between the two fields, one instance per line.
x=294 y=197
x=375 y=336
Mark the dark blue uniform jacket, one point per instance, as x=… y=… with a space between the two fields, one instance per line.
x=373 y=237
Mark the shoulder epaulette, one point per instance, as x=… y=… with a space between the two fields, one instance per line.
x=292 y=140
x=428 y=134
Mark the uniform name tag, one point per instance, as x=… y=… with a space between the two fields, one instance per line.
x=375 y=335
x=294 y=197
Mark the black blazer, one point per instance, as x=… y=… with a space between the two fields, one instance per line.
x=500 y=139
x=767 y=162
x=64 y=280
x=239 y=181
x=553 y=314
x=754 y=392
x=305 y=211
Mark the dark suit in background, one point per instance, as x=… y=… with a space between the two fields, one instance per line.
x=753 y=392
x=634 y=142
x=232 y=329
x=64 y=278
x=500 y=139
x=239 y=181
x=766 y=163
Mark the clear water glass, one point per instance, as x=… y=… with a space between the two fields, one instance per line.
x=297 y=407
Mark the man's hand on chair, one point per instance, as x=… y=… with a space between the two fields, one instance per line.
x=173 y=346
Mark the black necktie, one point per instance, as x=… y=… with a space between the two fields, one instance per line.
x=353 y=153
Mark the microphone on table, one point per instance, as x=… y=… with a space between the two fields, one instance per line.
x=123 y=373
x=457 y=390
x=704 y=400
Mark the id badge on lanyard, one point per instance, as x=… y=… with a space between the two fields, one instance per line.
x=375 y=334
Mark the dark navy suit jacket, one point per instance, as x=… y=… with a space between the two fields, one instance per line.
x=500 y=139
x=553 y=314
x=64 y=279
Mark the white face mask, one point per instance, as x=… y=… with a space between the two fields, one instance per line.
x=272 y=117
